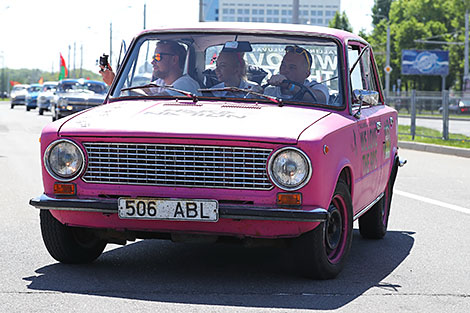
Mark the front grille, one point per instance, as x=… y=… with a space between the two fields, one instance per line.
x=177 y=165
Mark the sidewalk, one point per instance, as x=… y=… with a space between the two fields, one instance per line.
x=461 y=152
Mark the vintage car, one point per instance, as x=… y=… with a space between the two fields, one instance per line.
x=74 y=95
x=45 y=96
x=18 y=94
x=32 y=96
x=244 y=165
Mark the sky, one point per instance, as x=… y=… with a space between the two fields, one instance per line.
x=33 y=34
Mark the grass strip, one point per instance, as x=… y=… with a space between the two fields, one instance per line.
x=428 y=135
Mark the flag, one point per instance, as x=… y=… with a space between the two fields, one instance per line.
x=41 y=80
x=13 y=83
x=63 y=68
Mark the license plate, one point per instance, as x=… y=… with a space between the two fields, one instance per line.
x=169 y=209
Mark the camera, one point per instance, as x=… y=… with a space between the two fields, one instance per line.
x=104 y=61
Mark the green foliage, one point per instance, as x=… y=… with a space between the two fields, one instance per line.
x=427 y=135
x=28 y=76
x=340 y=21
x=438 y=20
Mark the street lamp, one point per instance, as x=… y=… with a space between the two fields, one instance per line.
x=3 y=74
x=466 y=76
x=388 y=68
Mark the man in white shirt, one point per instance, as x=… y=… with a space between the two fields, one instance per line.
x=295 y=67
x=168 y=63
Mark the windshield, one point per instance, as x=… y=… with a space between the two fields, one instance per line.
x=236 y=66
x=34 y=89
x=49 y=88
x=83 y=87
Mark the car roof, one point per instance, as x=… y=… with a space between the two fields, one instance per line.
x=261 y=28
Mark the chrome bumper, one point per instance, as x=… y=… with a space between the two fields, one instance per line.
x=241 y=212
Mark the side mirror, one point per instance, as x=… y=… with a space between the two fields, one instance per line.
x=367 y=97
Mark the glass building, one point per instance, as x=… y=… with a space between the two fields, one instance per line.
x=314 y=12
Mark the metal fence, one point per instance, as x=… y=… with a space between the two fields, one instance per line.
x=432 y=110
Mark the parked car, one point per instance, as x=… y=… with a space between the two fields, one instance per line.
x=32 y=96
x=461 y=106
x=18 y=95
x=74 y=95
x=206 y=167
x=45 y=96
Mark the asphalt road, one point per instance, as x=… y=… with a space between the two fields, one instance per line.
x=455 y=126
x=422 y=265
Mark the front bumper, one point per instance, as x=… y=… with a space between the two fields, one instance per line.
x=226 y=211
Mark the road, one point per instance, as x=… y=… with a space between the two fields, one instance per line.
x=422 y=265
x=455 y=126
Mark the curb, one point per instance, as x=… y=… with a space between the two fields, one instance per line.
x=461 y=152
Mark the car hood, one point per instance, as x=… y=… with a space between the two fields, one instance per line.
x=204 y=120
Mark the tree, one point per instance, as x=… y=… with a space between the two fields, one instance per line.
x=340 y=21
x=440 y=20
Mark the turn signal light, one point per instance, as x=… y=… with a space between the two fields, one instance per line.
x=289 y=198
x=64 y=189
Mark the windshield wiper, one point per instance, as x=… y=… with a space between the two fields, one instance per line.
x=169 y=87
x=276 y=100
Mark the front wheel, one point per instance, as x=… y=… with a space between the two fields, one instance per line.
x=69 y=244
x=322 y=252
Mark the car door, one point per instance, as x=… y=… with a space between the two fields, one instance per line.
x=368 y=110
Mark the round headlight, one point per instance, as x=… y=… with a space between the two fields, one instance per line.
x=290 y=168
x=64 y=160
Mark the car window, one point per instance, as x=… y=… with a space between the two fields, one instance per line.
x=362 y=76
x=34 y=89
x=262 y=57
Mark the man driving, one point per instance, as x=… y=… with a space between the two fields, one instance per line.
x=295 y=67
x=168 y=64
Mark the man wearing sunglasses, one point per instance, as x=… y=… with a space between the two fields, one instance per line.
x=295 y=67
x=168 y=64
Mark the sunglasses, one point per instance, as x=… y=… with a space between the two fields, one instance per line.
x=301 y=51
x=158 y=56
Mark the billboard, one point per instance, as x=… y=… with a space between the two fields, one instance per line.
x=425 y=62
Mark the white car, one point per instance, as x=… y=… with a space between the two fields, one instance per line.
x=45 y=96
x=18 y=95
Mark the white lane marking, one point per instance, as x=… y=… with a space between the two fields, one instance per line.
x=432 y=201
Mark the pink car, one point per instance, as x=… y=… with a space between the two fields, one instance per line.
x=303 y=146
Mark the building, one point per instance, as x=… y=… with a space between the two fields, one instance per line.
x=314 y=12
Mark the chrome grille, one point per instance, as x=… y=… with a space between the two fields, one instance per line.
x=177 y=165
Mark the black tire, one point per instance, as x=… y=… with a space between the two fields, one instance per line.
x=69 y=244
x=373 y=224
x=322 y=252
x=41 y=111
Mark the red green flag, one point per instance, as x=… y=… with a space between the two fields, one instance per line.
x=63 y=68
